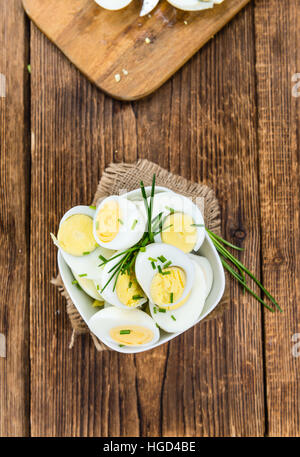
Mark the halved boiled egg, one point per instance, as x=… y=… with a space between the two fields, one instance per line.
x=77 y=244
x=192 y=5
x=113 y=4
x=183 y=223
x=207 y=270
x=148 y=6
x=88 y=286
x=165 y=274
x=124 y=328
x=118 y=223
x=180 y=317
x=122 y=290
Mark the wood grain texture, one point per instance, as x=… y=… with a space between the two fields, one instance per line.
x=203 y=381
x=215 y=371
x=14 y=233
x=227 y=118
x=278 y=59
x=102 y=43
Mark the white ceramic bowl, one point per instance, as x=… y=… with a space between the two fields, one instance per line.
x=84 y=303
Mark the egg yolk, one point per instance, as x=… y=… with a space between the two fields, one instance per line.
x=108 y=221
x=128 y=290
x=180 y=231
x=133 y=335
x=98 y=304
x=167 y=287
x=75 y=235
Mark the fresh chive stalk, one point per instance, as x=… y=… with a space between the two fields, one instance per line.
x=240 y=277
x=155 y=226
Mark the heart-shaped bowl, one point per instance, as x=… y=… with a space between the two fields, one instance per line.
x=83 y=302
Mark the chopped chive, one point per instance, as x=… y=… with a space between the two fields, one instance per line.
x=152 y=259
x=173 y=317
x=137 y=297
x=134 y=224
x=172 y=210
x=159 y=269
x=162 y=258
x=120 y=220
x=129 y=285
x=121 y=345
x=98 y=287
x=155 y=310
x=197 y=225
x=164 y=273
x=166 y=265
x=92 y=207
x=153 y=265
x=162 y=310
x=86 y=253
x=102 y=258
x=171 y=297
x=82 y=275
x=142 y=249
x=29 y=69
x=157 y=325
x=125 y=332
x=74 y=282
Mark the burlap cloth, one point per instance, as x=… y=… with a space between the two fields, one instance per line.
x=123 y=177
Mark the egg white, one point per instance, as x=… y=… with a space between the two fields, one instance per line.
x=88 y=286
x=185 y=316
x=206 y=269
x=130 y=232
x=162 y=203
x=113 y=4
x=148 y=6
x=191 y=5
x=103 y=321
x=145 y=273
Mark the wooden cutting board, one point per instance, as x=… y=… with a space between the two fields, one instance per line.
x=103 y=43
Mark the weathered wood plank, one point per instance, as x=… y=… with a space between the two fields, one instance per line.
x=214 y=373
x=200 y=122
x=277 y=60
x=14 y=232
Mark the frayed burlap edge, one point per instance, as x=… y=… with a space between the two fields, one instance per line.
x=123 y=177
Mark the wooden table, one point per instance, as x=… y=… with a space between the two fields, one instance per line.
x=229 y=118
